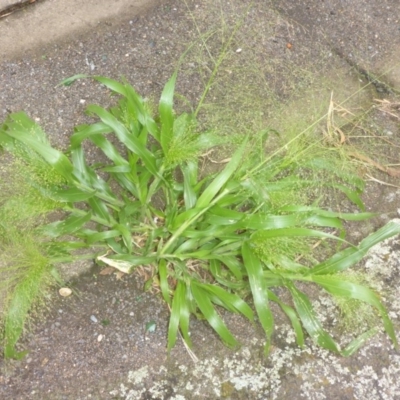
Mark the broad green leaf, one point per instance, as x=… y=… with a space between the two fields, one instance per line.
x=135 y=102
x=71 y=195
x=26 y=131
x=221 y=179
x=355 y=344
x=164 y=286
x=310 y=320
x=324 y=213
x=110 y=151
x=184 y=318
x=338 y=286
x=216 y=271
x=126 y=235
x=234 y=265
x=290 y=232
x=86 y=179
x=67 y=226
x=187 y=246
x=177 y=304
x=273 y=280
x=230 y=246
x=348 y=257
x=259 y=290
x=83 y=132
x=291 y=314
x=112 y=84
x=167 y=114
x=130 y=141
x=100 y=209
x=120 y=169
x=189 y=171
x=185 y=216
x=206 y=307
x=101 y=236
x=69 y=81
x=223 y=216
x=352 y=195
x=230 y=299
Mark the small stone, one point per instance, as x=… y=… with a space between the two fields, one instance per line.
x=239 y=50
x=93 y=319
x=65 y=292
x=100 y=338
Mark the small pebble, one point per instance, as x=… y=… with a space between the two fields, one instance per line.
x=100 y=338
x=93 y=319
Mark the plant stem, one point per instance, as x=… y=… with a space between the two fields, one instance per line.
x=185 y=225
x=221 y=58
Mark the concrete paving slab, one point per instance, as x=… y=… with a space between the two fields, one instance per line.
x=6 y=3
x=366 y=34
x=67 y=360
x=49 y=21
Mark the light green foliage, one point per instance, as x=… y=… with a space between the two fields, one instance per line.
x=212 y=239
x=25 y=276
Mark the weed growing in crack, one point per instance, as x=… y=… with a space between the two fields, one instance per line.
x=225 y=238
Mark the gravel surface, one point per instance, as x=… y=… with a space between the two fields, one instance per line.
x=94 y=344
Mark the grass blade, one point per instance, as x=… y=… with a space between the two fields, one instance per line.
x=310 y=320
x=70 y=225
x=167 y=114
x=189 y=171
x=259 y=290
x=355 y=344
x=206 y=307
x=221 y=179
x=175 y=314
x=291 y=314
x=21 y=128
x=233 y=301
x=164 y=286
x=339 y=287
x=69 y=81
x=348 y=257
x=23 y=296
x=129 y=140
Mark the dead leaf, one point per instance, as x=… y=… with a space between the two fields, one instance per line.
x=107 y=271
x=390 y=171
x=119 y=275
x=120 y=265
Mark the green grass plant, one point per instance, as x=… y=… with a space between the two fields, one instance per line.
x=224 y=239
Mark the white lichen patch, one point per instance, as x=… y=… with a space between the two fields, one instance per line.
x=291 y=372
x=315 y=373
